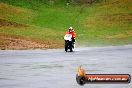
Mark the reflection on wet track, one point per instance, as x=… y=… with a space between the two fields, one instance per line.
x=57 y=69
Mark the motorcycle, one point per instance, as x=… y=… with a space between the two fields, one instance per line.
x=69 y=43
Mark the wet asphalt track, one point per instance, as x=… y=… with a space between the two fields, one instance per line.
x=57 y=69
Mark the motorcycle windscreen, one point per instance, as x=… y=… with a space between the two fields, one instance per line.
x=68 y=37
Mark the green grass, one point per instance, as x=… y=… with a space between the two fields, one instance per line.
x=32 y=32
x=103 y=23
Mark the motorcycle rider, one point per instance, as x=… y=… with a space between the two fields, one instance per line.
x=73 y=33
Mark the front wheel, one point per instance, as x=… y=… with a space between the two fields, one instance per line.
x=70 y=46
x=66 y=47
x=71 y=49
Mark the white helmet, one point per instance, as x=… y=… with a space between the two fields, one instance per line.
x=70 y=28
